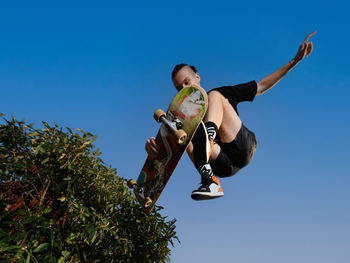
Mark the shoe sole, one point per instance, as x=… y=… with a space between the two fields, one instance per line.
x=206 y=196
x=202 y=147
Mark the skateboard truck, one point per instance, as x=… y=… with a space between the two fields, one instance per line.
x=180 y=134
x=179 y=124
x=145 y=201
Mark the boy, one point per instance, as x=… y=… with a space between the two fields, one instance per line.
x=222 y=145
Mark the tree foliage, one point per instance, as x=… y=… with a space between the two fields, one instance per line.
x=59 y=202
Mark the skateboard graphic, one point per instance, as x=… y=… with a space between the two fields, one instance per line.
x=178 y=126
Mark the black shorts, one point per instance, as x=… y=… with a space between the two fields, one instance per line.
x=238 y=153
x=235 y=155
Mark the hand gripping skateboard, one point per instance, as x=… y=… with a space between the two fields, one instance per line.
x=178 y=126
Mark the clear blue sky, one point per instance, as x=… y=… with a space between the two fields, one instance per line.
x=105 y=67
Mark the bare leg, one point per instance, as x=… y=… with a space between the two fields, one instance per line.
x=226 y=119
x=221 y=112
x=224 y=116
x=213 y=155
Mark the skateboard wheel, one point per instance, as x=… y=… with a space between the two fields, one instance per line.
x=147 y=202
x=158 y=114
x=180 y=136
x=131 y=183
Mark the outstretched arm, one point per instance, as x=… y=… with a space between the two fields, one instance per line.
x=268 y=82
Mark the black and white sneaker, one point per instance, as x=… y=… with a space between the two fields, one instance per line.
x=209 y=189
x=202 y=145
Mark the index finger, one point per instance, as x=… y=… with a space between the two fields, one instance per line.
x=309 y=35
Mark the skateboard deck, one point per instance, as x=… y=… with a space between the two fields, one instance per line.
x=178 y=125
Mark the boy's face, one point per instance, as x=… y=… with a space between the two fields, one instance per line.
x=186 y=77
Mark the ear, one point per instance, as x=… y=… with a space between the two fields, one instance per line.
x=198 y=77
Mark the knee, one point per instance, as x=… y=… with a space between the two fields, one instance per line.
x=215 y=95
x=228 y=172
x=223 y=167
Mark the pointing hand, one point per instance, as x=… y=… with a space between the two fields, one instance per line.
x=304 y=49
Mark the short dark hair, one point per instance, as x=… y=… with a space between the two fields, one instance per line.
x=178 y=67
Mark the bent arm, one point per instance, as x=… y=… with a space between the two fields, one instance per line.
x=268 y=82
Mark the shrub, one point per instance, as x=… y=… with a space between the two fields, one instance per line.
x=59 y=202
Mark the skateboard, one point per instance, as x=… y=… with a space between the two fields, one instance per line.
x=178 y=125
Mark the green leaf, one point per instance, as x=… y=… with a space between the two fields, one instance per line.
x=10 y=248
x=36 y=149
x=41 y=247
x=30 y=219
x=93 y=139
x=65 y=253
x=35 y=244
x=97 y=152
x=43 y=148
x=34 y=134
x=71 y=237
x=45 y=161
x=46 y=125
x=94 y=237
x=62 y=199
x=47 y=210
x=62 y=156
